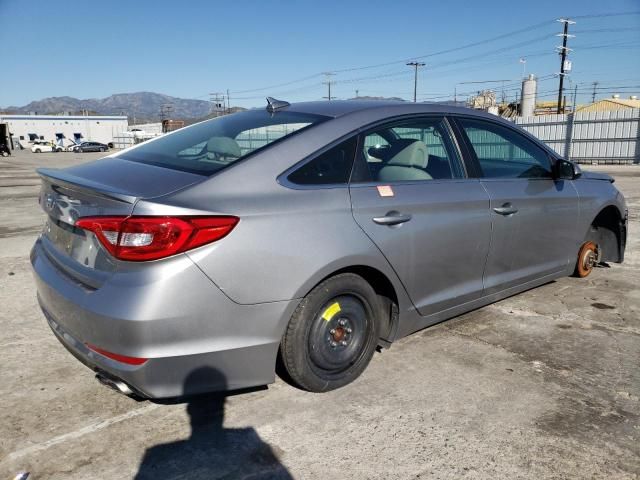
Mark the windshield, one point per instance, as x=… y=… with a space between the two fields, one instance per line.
x=207 y=147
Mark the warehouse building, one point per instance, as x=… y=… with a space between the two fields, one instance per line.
x=613 y=103
x=63 y=129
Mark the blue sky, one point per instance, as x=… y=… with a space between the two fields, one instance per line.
x=191 y=48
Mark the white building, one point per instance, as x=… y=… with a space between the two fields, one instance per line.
x=64 y=129
x=149 y=128
x=137 y=133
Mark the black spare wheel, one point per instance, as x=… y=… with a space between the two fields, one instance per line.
x=332 y=334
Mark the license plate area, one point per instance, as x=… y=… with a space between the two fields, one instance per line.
x=63 y=236
x=78 y=245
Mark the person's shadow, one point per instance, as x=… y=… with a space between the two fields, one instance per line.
x=212 y=451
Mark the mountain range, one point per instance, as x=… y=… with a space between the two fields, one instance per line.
x=142 y=105
x=138 y=106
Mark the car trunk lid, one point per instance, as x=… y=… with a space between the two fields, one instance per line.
x=108 y=187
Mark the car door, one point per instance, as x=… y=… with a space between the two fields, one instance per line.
x=533 y=215
x=411 y=196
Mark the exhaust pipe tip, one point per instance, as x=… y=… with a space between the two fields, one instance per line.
x=117 y=385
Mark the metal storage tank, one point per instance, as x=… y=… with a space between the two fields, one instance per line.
x=528 y=99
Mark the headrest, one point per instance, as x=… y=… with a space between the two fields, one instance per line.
x=386 y=152
x=224 y=147
x=413 y=155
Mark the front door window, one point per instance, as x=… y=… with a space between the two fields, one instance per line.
x=504 y=153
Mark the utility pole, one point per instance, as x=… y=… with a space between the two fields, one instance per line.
x=415 y=66
x=563 y=56
x=328 y=83
x=572 y=118
x=216 y=100
x=357 y=93
x=228 y=102
x=593 y=95
x=165 y=110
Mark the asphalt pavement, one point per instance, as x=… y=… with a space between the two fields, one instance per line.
x=543 y=385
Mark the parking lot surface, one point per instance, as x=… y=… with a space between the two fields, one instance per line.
x=543 y=385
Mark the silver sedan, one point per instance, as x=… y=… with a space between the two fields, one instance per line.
x=313 y=233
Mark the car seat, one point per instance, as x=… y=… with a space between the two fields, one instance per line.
x=407 y=164
x=223 y=149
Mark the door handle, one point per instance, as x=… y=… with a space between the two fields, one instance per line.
x=506 y=209
x=392 y=218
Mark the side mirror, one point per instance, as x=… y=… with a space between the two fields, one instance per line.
x=565 y=170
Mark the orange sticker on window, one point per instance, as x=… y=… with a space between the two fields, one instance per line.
x=385 y=190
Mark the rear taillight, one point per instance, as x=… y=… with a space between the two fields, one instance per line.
x=150 y=238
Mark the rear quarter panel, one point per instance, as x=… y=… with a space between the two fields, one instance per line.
x=285 y=243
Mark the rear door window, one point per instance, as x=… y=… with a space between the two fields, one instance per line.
x=410 y=150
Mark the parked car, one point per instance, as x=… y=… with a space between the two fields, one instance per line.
x=90 y=147
x=356 y=225
x=40 y=146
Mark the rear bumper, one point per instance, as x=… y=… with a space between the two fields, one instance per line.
x=195 y=338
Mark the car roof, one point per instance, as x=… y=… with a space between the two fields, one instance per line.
x=338 y=108
x=359 y=113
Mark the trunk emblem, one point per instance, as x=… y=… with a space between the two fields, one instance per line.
x=50 y=201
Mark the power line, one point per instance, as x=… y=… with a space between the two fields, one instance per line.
x=613 y=14
x=472 y=58
x=607 y=30
x=373 y=77
x=397 y=62
x=482 y=42
x=391 y=75
x=283 y=92
x=512 y=87
x=454 y=49
x=285 y=84
x=490 y=52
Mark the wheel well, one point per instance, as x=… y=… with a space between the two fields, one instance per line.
x=387 y=294
x=606 y=231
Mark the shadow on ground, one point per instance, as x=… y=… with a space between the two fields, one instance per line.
x=211 y=451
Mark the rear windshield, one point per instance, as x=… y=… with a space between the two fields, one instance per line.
x=210 y=146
